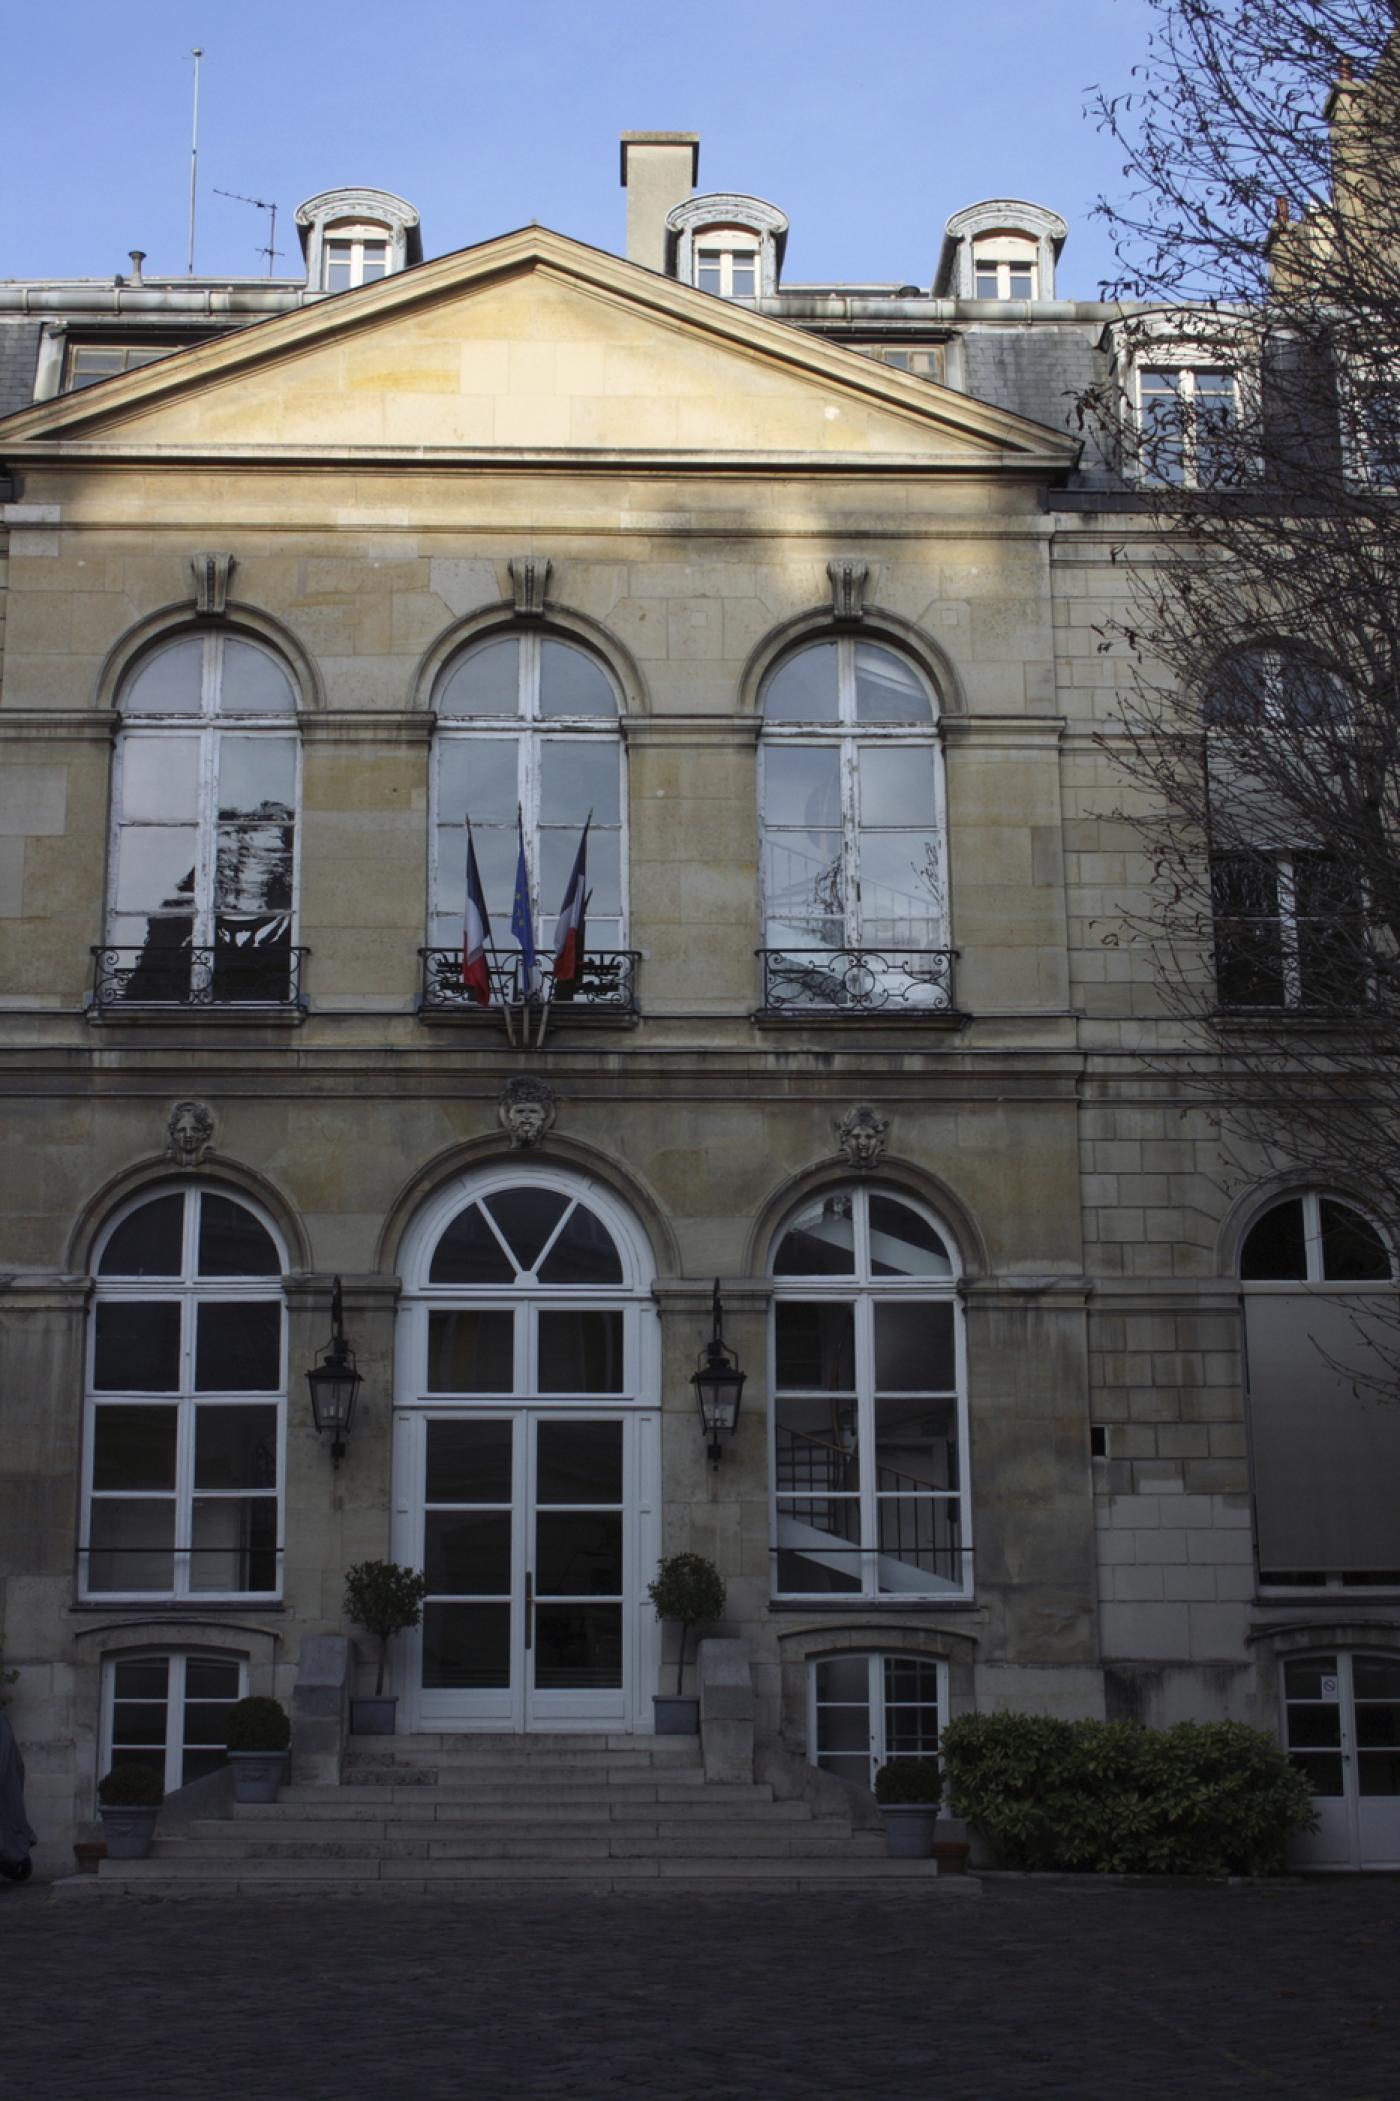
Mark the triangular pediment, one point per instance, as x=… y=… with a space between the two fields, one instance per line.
x=533 y=345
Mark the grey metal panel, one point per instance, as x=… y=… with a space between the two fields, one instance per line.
x=19 y=355
x=1324 y=1426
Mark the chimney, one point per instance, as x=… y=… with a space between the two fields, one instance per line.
x=659 y=171
x=138 y=256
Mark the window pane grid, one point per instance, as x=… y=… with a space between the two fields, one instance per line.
x=184 y=1493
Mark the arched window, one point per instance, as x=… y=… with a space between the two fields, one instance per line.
x=868 y=1414
x=202 y=885
x=527 y=1454
x=528 y=730
x=1324 y=1432
x=186 y=1401
x=854 y=848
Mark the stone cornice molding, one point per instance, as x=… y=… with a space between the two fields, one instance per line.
x=706 y=732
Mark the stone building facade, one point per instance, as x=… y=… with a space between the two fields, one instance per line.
x=796 y=592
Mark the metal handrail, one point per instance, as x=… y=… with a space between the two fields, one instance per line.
x=222 y=974
x=893 y=980
x=606 y=985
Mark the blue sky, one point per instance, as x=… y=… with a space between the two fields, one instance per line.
x=867 y=124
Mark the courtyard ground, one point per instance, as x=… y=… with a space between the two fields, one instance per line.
x=1099 y=1992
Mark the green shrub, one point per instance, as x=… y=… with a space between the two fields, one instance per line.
x=384 y=1598
x=130 y=1787
x=1203 y=1798
x=690 y=1590
x=916 y=1781
x=258 y=1724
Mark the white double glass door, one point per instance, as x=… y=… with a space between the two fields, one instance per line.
x=1342 y=1724
x=536 y=1529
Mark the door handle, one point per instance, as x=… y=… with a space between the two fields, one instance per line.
x=529 y=1608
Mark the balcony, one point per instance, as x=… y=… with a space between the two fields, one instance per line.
x=605 y=993
x=904 y=984
x=246 y=979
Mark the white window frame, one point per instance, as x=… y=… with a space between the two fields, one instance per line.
x=876 y=1702
x=850 y=736
x=865 y=1289
x=176 y=1661
x=632 y=1297
x=357 y=237
x=531 y=730
x=1294 y=990
x=1188 y=370
x=188 y=1289
x=209 y=725
x=727 y=245
x=1002 y=255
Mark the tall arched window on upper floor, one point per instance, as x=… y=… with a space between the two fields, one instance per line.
x=855 y=886
x=868 y=1402
x=187 y=1383
x=1321 y=1335
x=1287 y=901
x=205 y=790
x=528 y=750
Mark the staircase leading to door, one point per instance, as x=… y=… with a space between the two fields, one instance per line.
x=456 y=1814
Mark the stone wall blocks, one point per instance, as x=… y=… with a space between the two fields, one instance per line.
x=1217 y=1476
x=1192 y=1583
x=1166 y=1544
x=1144 y=1631
x=1220 y=1544
x=1216 y=1632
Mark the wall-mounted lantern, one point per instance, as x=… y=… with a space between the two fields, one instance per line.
x=719 y=1385
x=334 y=1382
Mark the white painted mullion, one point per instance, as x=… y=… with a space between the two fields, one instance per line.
x=865 y=1443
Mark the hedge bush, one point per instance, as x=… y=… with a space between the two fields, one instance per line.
x=909 y=1783
x=130 y=1787
x=1114 y=1798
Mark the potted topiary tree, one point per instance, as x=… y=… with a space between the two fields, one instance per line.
x=258 y=1735
x=386 y=1599
x=128 y=1800
x=689 y=1590
x=909 y=1791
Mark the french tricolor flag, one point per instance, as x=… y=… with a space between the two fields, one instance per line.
x=569 y=931
x=476 y=933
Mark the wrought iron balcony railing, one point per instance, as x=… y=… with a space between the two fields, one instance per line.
x=227 y=975
x=890 y=981
x=605 y=990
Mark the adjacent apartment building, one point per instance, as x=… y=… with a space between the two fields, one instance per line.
x=791 y=595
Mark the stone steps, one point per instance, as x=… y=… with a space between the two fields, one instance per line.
x=420 y=1814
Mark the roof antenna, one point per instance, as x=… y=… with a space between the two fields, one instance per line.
x=272 y=251
x=197 y=54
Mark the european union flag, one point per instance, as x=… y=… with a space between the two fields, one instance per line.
x=522 y=920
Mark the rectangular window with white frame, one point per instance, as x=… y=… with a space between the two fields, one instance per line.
x=169 y=1713
x=1187 y=420
x=865 y=1710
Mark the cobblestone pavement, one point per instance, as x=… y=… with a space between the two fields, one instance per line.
x=1101 y=1993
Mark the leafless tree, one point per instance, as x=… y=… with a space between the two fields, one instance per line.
x=1255 y=397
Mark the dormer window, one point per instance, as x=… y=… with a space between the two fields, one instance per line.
x=727 y=262
x=354 y=255
x=1004 y=267
x=731 y=246
x=1002 y=248
x=355 y=237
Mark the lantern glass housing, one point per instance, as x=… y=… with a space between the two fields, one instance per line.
x=719 y=1386
x=334 y=1382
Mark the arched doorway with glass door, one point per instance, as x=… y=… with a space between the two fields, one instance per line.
x=527 y=1456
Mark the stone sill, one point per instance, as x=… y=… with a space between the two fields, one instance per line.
x=131 y=1015
x=864 y=1606
x=829 y=1018
x=491 y=1018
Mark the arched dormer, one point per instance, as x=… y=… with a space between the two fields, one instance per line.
x=727 y=244
x=1002 y=248
x=352 y=237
